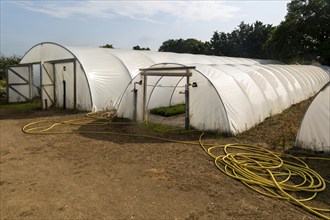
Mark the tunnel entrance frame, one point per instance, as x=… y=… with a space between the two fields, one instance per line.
x=182 y=71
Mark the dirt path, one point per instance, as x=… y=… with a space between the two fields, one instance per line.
x=74 y=176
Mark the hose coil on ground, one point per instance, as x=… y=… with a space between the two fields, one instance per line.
x=272 y=174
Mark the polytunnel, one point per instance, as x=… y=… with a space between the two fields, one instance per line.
x=95 y=78
x=314 y=131
x=227 y=98
x=230 y=94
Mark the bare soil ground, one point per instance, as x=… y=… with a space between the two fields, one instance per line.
x=104 y=176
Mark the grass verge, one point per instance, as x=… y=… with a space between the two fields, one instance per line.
x=22 y=106
x=161 y=127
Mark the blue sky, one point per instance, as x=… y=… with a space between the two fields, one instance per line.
x=125 y=23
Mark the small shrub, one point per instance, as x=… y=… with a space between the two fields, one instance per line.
x=3 y=89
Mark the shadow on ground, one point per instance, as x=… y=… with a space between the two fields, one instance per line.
x=124 y=131
x=27 y=114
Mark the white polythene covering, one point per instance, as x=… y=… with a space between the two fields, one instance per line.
x=233 y=94
x=314 y=131
x=230 y=98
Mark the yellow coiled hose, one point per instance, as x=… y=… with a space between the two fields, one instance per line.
x=272 y=174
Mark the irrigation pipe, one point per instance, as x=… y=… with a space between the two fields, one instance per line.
x=269 y=173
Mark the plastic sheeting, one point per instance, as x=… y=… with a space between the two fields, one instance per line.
x=314 y=131
x=230 y=98
x=233 y=94
x=53 y=57
x=103 y=74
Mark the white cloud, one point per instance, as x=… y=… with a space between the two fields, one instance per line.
x=203 y=10
x=67 y=9
x=141 y=10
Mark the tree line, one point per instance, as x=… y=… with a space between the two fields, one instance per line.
x=303 y=37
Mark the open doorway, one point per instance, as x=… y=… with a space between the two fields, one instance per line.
x=161 y=81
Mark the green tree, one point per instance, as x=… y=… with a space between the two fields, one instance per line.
x=256 y=40
x=107 y=46
x=245 y=41
x=5 y=62
x=283 y=45
x=304 y=35
x=137 y=47
x=220 y=44
x=184 y=46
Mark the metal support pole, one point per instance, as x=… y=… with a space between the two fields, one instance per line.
x=144 y=97
x=134 y=104
x=64 y=94
x=46 y=105
x=135 y=99
x=187 y=119
x=30 y=82
x=54 y=82
x=7 y=83
x=74 y=86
